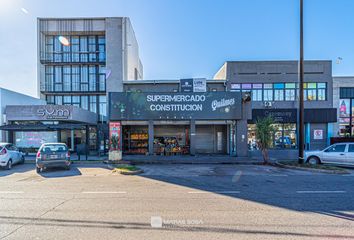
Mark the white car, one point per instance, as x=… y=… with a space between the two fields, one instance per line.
x=339 y=153
x=9 y=155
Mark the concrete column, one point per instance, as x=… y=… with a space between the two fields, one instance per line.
x=192 y=138
x=228 y=138
x=72 y=140
x=151 y=137
x=241 y=138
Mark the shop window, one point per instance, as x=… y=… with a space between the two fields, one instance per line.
x=59 y=100
x=135 y=140
x=284 y=136
x=344 y=117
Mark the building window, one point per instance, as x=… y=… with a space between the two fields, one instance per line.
x=93 y=104
x=92 y=49
x=290 y=90
x=257 y=92
x=67 y=100
x=58 y=79
x=102 y=78
x=92 y=78
x=278 y=91
x=49 y=79
x=75 y=101
x=75 y=49
x=102 y=107
x=50 y=99
x=75 y=76
x=66 y=79
x=49 y=48
x=84 y=78
x=59 y=100
x=284 y=136
x=84 y=102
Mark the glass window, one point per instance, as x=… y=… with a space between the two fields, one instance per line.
x=49 y=78
x=278 y=85
x=268 y=95
x=50 y=99
x=290 y=85
x=102 y=107
x=83 y=49
x=93 y=104
x=84 y=102
x=75 y=101
x=257 y=86
x=257 y=95
x=58 y=78
x=289 y=94
x=57 y=50
x=351 y=148
x=235 y=86
x=337 y=148
x=321 y=85
x=59 y=100
x=75 y=76
x=75 y=49
x=49 y=48
x=311 y=94
x=311 y=85
x=92 y=78
x=67 y=100
x=66 y=78
x=246 y=86
x=102 y=78
x=84 y=78
x=321 y=94
x=278 y=95
x=268 y=85
x=92 y=48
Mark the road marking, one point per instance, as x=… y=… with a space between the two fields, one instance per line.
x=320 y=191
x=103 y=192
x=200 y=192
x=11 y=192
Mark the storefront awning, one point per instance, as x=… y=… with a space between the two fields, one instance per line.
x=42 y=127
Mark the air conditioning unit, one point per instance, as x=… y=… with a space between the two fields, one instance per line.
x=267 y=104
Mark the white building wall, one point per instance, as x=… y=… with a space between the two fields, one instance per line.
x=8 y=97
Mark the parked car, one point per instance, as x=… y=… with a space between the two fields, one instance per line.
x=339 y=153
x=52 y=155
x=10 y=155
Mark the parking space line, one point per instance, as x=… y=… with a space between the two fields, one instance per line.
x=90 y=192
x=11 y=192
x=320 y=192
x=200 y=192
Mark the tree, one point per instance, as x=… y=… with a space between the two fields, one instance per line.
x=264 y=132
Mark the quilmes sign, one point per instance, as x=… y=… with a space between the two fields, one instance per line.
x=51 y=112
x=145 y=106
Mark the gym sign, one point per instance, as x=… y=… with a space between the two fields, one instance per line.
x=53 y=113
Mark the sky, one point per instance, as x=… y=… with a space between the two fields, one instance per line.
x=188 y=38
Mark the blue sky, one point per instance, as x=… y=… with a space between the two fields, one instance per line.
x=188 y=38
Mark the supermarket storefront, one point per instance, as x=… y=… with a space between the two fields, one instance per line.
x=180 y=123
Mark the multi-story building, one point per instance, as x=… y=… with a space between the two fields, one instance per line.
x=80 y=60
x=274 y=87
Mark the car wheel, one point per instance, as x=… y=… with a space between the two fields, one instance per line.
x=38 y=170
x=9 y=165
x=313 y=160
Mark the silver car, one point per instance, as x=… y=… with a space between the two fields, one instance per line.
x=9 y=155
x=339 y=153
x=52 y=155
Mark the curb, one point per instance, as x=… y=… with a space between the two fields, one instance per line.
x=123 y=172
x=311 y=169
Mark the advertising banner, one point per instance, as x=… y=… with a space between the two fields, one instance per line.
x=114 y=131
x=199 y=85
x=186 y=85
x=170 y=106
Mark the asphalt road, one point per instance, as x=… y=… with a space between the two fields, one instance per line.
x=175 y=202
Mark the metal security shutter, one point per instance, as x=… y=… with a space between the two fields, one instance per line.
x=204 y=139
x=171 y=131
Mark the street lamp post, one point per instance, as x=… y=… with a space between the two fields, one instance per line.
x=301 y=89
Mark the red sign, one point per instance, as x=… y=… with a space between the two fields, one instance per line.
x=114 y=134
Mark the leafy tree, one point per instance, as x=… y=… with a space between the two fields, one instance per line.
x=264 y=132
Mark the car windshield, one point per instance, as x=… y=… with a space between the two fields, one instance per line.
x=54 y=148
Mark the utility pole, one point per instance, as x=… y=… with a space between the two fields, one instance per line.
x=301 y=88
